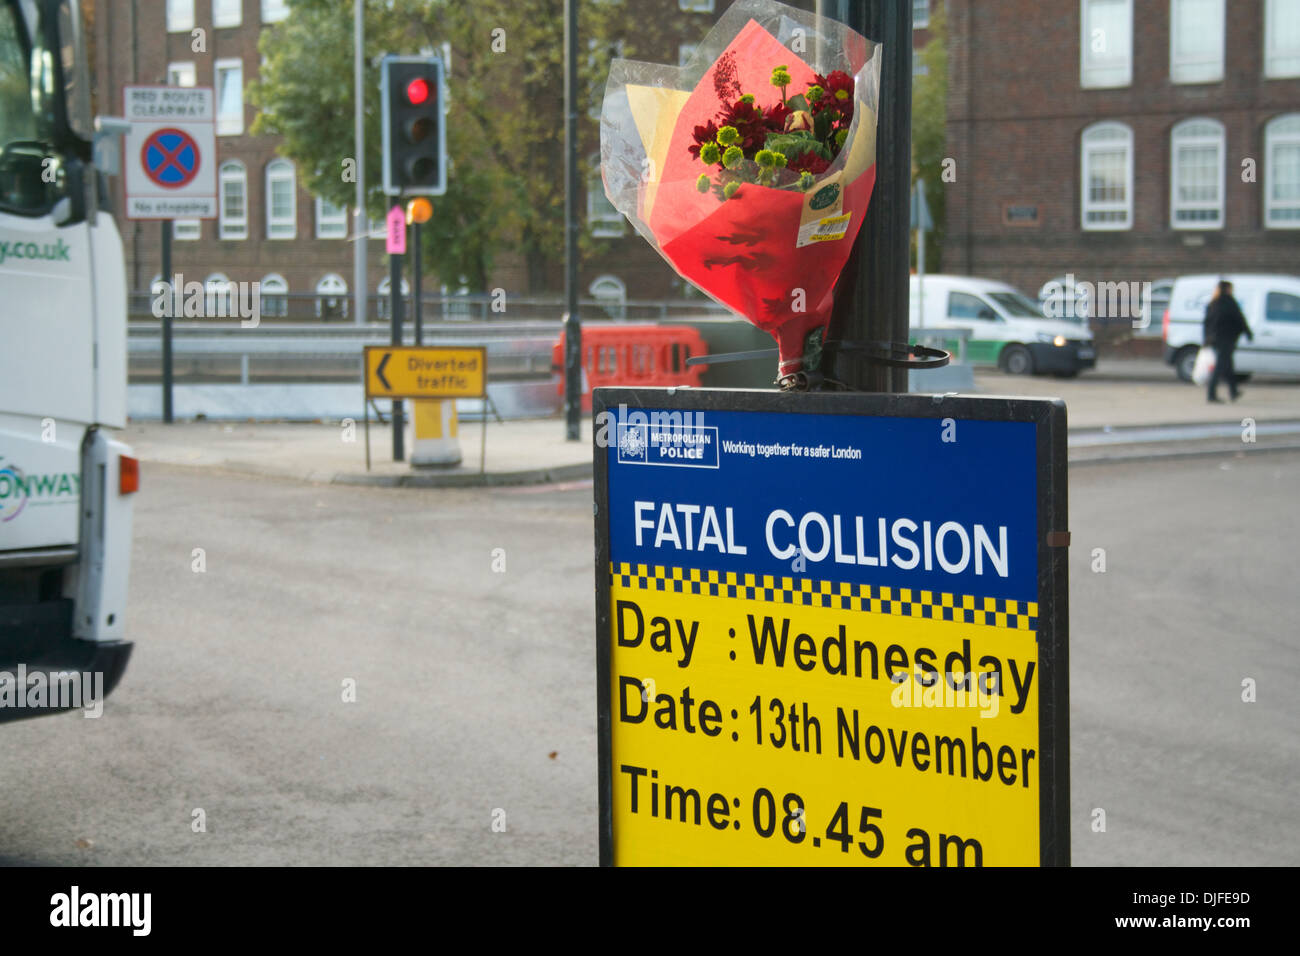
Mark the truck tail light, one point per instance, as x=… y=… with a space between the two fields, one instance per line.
x=128 y=475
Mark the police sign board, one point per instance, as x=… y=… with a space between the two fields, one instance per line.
x=425 y=371
x=831 y=629
x=170 y=154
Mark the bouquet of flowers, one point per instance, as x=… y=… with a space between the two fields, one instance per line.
x=750 y=168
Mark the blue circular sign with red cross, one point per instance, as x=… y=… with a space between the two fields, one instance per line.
x=170 y=157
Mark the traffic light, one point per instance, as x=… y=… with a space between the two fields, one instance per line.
x=415 y=156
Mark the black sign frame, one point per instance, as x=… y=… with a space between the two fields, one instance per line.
x=1049 y=418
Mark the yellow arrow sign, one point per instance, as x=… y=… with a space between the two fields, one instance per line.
x=425 y=372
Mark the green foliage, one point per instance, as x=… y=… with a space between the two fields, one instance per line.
x=505 y=124
x=793 y=145
x=929 y=131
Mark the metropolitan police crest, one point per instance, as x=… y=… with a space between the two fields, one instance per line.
x=632 y=443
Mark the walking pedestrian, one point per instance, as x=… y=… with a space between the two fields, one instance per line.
x=1224 y=324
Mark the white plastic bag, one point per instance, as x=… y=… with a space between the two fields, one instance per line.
x=1204 y=367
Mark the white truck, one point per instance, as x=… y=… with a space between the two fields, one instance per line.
x=66 y=483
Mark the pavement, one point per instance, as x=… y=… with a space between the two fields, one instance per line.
x=1124 y=410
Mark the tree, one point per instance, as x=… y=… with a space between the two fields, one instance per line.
x=505 y=124
x=929 y=130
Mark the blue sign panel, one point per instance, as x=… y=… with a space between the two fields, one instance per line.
x=902 y=502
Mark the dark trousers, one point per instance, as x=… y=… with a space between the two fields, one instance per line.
x=1223 y=370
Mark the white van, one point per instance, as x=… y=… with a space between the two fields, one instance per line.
x=1007 y=329
x=1271 y=304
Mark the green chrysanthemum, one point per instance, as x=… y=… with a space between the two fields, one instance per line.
x=729 y=191
x=765 y=158
x=781 y=76
x=702 y=184
x=815 y=93
x=728 y=136
x=806 y=181
x=710 y=154
x=781 y=160
x=733 y=157
x=747 y=98
x=840 y=137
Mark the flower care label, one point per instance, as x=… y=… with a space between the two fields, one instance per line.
x=822 y=219
x=824 y=230
x=831 y=629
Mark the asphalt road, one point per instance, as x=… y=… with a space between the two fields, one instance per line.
x=475 y=689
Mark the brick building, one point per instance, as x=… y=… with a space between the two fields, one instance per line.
x=270 y=229
x=1123 y=140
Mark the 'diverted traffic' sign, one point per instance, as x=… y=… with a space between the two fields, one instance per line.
x=831 y=629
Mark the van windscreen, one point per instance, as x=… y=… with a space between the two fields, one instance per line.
x=1017 y=305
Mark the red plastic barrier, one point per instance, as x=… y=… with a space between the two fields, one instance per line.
x=650 y=355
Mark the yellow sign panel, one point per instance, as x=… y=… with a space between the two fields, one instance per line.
x=859 y=732
x=425 y=372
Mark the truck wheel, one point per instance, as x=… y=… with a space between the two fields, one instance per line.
x=1185 y=361
x=1017 y=360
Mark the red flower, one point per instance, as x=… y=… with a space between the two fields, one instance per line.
x=808 y=162
x=703 y=134
x=836 y=82
x=749 y=122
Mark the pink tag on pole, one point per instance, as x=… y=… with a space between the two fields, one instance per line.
x=396 y=231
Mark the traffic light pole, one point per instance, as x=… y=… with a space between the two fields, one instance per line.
x=572 y=324
x=871 y=302
x=395 y=311
x=415 y=284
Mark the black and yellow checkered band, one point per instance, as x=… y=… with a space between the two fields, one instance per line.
x=842 y=595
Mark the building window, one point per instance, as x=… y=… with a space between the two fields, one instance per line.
x=1108 y=177
x=1196 y=29
x=233 y=221
x=274 y=10
x=920 y=14
x=227 y=13
x=696 y=6
x=180 y=16
x=181 y=74
x=610 y=294
x=1282 y=38
x=685 y=51
x=281 y=200
x=332 y=297
x=217 y=295
x=331 y=220
x=1196 y=167
x=456 y=306
x=603 y=219
x=1282 y=172
x=274 y=295
x=384 y=288
x=230 y=97
x=1106 y=43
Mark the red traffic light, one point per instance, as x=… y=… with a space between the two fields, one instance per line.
x=417 y=91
